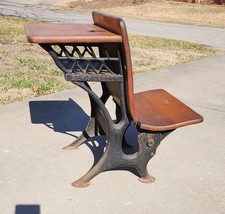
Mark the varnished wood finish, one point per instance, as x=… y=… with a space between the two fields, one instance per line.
x=157 y=110
x=69 y=33
x=154 y=110
x=117 y=25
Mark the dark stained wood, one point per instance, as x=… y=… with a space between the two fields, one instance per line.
x=157 y=110
x=50 y=33
x=117 y=25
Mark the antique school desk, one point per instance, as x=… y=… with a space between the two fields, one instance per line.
x=99 y=52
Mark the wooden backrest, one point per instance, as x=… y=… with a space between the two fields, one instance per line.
x=117 y=25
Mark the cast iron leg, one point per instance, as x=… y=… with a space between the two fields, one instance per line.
x=101 y=166
x=112 y=157
x=118 y=118
x=90 y=131
x=148 y=143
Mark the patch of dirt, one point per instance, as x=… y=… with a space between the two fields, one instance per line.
x=107 y=4
x=14 y=94
x=100 y=4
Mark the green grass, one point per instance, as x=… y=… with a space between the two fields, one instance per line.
x=33 y=64
x=11 y=28
x=26 y=70
x=150 y=53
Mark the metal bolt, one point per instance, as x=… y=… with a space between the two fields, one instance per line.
x=150 y=142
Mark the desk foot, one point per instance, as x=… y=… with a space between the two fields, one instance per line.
x=85 y=135
x=147 y=179
x=80 y=184
x=70 y=147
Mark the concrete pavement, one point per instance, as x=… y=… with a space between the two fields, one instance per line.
x=35 y=173
x=189 y=166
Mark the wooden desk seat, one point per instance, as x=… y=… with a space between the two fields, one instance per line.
x=152 y=110
x=157 y=110
x=156 y=113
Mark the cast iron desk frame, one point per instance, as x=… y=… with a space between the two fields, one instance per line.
x=69 y=53
x=156 y=113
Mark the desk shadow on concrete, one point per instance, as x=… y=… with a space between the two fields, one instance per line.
x=67 y=116
x=27 y=209
x=62 y=116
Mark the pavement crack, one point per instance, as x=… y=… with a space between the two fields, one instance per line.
x=216 y=109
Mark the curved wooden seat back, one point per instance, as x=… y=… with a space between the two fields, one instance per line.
x=154 y=110
x=117 y=25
